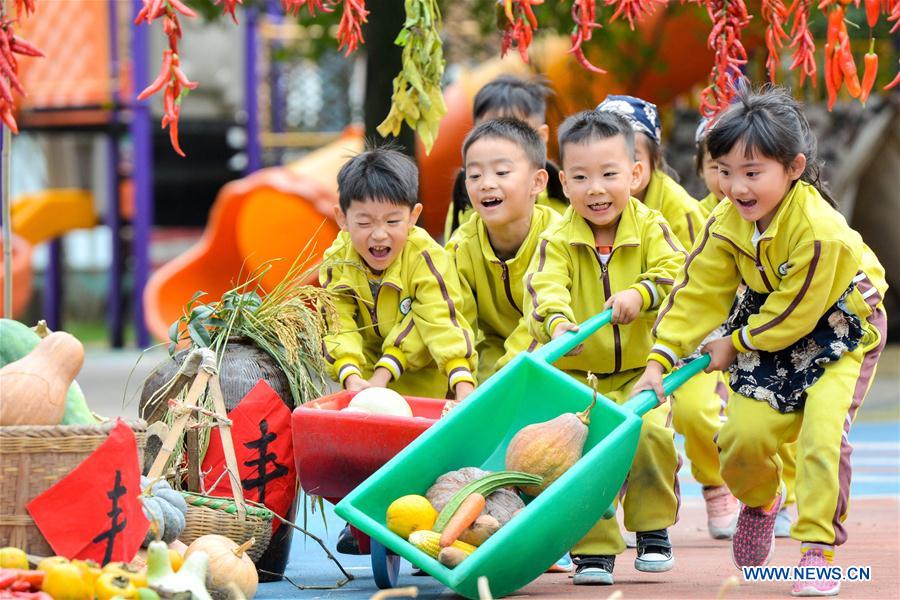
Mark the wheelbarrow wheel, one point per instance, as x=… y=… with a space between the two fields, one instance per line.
x=385 y=566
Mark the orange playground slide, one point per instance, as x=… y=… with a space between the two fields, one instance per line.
x=272 y=213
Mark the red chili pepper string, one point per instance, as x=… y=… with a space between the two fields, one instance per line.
x=803 y=43
x=873 y=9
x=171 y=77
x=293 y=7
x=774 y=13
x=634 y=10
x=729 y=19
x=894 y=82
x=228 y=7
x=25 y=7
x=870 y=73
x=10 y=45
x=518 y=23
x=584 y=14
x=894 y=17
x=350 y=28
x=848 y=66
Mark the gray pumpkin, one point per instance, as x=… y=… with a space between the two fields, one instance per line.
x=167 y=508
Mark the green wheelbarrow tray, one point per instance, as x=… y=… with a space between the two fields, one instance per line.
x=476 y=434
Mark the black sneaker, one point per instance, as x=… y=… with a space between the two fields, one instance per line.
x=593 y=570
x=346 y=543
x=654 y=552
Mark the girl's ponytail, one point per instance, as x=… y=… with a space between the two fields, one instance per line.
x=813 y=172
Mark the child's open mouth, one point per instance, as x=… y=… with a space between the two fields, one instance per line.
x=491 y=202
x=599 y=206
x=379 y=251
x=746 y=203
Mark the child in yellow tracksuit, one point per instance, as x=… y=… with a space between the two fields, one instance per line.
x=393 y=280
x=698 y=406
x=513 y=97
x=708 y=170
x=504 y=173
x=804 y=339
x=609 y=250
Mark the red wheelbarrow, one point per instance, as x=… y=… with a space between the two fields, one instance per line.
x=335 y=451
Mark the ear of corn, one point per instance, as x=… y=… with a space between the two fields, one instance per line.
x=429 y=543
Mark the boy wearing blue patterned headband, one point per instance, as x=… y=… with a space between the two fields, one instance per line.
x=697 y=407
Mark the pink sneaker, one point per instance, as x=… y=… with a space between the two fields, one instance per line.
x=754 y=537
x=814 y=557
x=721 y=512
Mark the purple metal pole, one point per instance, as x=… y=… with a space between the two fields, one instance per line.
x=143 y=176
x=276 y=77
x=115 y=320
x=53 y=285
x=251 y=102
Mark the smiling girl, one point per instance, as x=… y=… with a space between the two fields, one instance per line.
x=803 y=341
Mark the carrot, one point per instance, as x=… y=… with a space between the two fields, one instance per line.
x=464 y=516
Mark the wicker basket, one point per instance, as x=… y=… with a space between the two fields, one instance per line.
x=208 y=515
x=32 y=459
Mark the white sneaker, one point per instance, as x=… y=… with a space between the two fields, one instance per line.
x=654 y=553
x=594 y=570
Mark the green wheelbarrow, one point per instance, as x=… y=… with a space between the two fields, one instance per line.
x=528 y=390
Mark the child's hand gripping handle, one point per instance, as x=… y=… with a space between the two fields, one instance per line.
x=646 y=400
x=556 y=349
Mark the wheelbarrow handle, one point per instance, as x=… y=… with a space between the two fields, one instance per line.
x=556 y=349
x=646 y=400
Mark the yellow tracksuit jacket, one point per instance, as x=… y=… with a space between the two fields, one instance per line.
x=805 y=260
x=493 y=289
x=568 y=282
x=680 y=209
x=419 y=293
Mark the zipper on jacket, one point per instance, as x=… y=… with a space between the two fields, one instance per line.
x=373 y=312
x=760 y=267
x=607 y=291
x=504 y=275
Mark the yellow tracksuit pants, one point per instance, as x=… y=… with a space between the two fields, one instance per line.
x=750 y=440
x=652 y=499
x=698 y=410
x=697 y=414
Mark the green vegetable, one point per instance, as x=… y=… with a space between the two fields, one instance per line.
x=16 y=341
x=191 y=577
x=484 y=486
x=417 y=97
